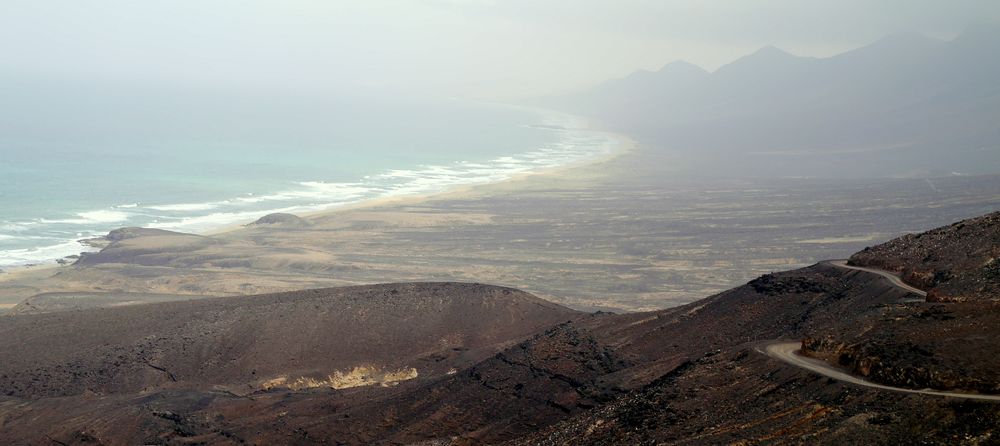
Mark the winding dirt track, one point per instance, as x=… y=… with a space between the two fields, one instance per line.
x=788 y=351
x=890 y=276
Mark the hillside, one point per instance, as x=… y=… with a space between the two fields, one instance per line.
x=904 y=105
x=471 y=364
x=953 y=263
x=853 y=319
x=291 y=340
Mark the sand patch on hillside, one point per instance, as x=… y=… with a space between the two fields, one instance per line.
x=366 y=375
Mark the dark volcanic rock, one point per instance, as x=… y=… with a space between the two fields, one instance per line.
x=953 y=263
x=247 y=343
x=940 y=346
x=773 y=285
x=500 y=366
x=53 y=302
x=734 y=395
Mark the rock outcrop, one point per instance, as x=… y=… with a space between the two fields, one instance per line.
x=281 y=219
x=474 y=364
x=952 y=263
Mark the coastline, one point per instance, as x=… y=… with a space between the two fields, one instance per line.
x=602 y=235
x=17 y=272
x=23 y=281
x=624 y=145
x=579 y=144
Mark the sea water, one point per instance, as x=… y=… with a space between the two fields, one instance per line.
x=76 y=165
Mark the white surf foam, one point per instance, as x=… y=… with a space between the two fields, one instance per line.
x=216 y=220
x=184 y=207
x=102 y=216
x=42 y=254
x=572 y=146
x=316 y=190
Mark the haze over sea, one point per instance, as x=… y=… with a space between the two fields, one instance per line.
x=193 y=163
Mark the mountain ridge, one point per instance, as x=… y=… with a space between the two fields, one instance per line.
x=929 y=100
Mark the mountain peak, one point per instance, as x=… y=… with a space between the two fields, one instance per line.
x=681 y=66
x=681 y=71
x=640 y=75
x=676 y=71
x=766 y=58
x=771 y=50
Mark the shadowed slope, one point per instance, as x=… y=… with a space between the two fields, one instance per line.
x=297 y=339
x=953 y=263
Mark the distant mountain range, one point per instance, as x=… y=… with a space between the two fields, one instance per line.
x=906 y=105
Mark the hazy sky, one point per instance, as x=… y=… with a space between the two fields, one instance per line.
x=484 y=48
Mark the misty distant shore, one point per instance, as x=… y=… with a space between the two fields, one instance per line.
x=31 y=239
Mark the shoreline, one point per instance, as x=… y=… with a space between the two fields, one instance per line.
x=622 y=146
x=600 y=235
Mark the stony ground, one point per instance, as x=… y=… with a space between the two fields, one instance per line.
x=500 y=366
x=623 y=236
x=958 y=262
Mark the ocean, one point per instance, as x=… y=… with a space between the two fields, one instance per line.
x=76 y=165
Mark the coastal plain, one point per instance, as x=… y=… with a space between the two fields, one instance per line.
x=620 y=235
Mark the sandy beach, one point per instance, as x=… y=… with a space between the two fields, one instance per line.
x=22 y=281
x=614 y=234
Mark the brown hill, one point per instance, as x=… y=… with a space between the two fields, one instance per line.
x=684 y=373
x=955 y=262
x=282 y=219
x=318 y=338
x=277 y=369
x=54 y=302
x=854 y=319
x=142 y=246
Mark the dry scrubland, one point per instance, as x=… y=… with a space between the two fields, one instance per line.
x=463 y=364
x=612 y=236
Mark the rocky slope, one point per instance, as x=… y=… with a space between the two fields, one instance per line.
x=958 y=262
x=56 y=302
x=734 y=394
x=330 y=338
x=495 y=365
x=951 y=341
